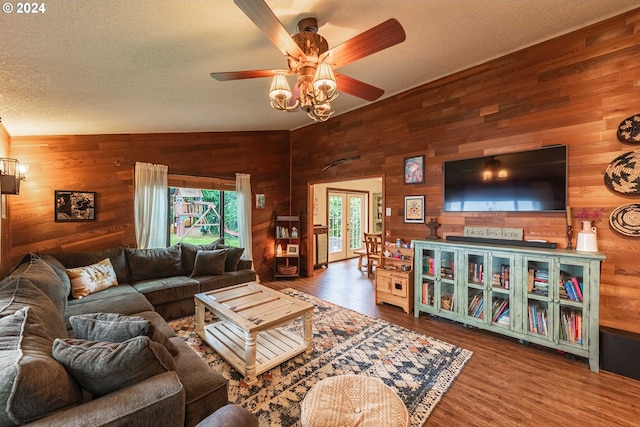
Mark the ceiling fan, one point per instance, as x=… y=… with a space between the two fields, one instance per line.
x=310 y=59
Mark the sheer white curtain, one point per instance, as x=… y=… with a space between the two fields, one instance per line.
x=151 y=205
x=243 y=201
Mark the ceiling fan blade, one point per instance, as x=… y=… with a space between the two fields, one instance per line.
x=373 y=40
x=357 y=88
x=268 y=23
x=239 y=75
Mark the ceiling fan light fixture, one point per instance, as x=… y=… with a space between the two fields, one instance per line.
x=280 y=92
x=324 y=83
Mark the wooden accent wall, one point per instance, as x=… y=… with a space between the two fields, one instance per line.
x=87 y=163
x=5 y=241
x=572 y=90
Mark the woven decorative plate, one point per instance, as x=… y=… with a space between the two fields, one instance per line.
x=629 y=130
x=625 y=219
x=623 y=174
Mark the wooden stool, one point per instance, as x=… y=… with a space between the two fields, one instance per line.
x=352 y=400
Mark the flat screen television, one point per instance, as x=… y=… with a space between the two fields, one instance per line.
x=526 y=181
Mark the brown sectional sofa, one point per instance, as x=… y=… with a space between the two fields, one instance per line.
x=156 y=285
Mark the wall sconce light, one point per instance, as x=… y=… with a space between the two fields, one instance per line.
x=11 y=173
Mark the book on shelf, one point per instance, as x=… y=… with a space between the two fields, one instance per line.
x=499 y=305
x=538 y=320
x=282 y=232
x=427 y=293
x=571 y=325
x=577 y=288
x=504 y=317
x=476 y=273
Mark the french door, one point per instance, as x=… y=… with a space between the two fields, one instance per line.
x=347 y=212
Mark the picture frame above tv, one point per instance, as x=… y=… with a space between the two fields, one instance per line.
x=524 y=181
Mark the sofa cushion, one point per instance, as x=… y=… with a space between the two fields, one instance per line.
x=233 y=257
x=147 y=264
x=17 y=292
x=122 y=299
x=210 y=263
x=42 y=275
x=168 y=289
x=189 y=252
x=113 y=327
x=28 y=371
x=116 y=256
x=92 y=278
x=210 y=283
x=60 y=270
x=103 y=367
x=205 y=388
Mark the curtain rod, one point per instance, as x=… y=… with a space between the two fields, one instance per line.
x=119 y=163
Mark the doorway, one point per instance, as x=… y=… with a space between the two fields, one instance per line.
x=368 y=187
x=347 y=214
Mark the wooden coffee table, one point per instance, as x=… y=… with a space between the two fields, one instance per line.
x=248 y=332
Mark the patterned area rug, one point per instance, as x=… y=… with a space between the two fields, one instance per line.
x=419 y=368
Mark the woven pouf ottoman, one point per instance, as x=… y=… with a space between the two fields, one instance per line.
x=352 y=400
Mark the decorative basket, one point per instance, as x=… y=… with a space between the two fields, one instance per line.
x=287 y=270
x=445 y=302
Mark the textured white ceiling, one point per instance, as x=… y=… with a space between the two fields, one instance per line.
x=132 y=66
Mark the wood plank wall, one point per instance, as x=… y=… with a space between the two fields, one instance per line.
x=87 y=163
x=5 y=243
x=572 y=90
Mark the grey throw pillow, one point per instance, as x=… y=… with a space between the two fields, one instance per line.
x=210 y=263
x=189 y=252
x=147 y=264
x=103 y=367
x=117 y=328
x=32 y=383
x=233 y=257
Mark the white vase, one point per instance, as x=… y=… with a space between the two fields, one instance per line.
x=587 y=238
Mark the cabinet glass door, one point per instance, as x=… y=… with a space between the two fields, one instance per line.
x=540 y=294
x=475 y=285
x=447 y=288
x=428 y=259
x=573 y=298
x=500 y=289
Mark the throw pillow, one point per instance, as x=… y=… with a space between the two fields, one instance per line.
x=32 y=383
x=113 y=327
x=102 y=367
x=210 y=263
x=189 y=252
x=233 y=257
x=147 y=264
x=41 y=274
x=92 y=278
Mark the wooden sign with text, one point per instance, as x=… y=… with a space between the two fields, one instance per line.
x=494 y=233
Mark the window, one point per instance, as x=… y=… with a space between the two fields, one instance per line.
x=202 y=210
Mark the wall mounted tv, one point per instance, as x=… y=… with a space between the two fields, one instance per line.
x=526 y=181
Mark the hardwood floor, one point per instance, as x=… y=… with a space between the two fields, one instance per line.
x=505 y=383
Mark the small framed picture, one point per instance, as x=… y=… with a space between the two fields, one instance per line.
x=414 y=209
x=73 y=206
x=292 y=249
x=259 y=201
x=414 y=170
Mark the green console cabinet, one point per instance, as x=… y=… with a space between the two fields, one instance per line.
x=549 y=297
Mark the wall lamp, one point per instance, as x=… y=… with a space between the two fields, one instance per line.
x=11 y=173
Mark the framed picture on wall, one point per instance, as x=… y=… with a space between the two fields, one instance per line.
x=414 y=209
x=292 y=249
x=73 y=206
x=414 y=170
x=259 y=201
